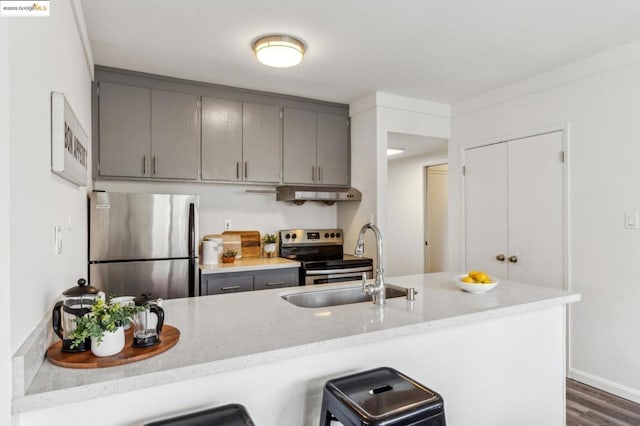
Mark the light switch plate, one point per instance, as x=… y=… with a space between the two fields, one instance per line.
x=631 y=220
x=58 y=239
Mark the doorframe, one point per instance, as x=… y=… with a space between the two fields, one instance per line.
x=424 y=208
x=564 y=127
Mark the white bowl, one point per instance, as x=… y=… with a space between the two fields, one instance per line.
x=475 y=288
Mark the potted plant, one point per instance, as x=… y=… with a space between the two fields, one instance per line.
x=269 y=243
x=229 y=256
x=104 y=326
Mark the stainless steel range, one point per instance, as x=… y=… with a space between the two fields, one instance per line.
x=320 y=251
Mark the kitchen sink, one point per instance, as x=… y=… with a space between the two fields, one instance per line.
x=339 y=296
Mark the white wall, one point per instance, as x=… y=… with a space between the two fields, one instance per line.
x=247 y=211
x=45 y=54
x=5 y=264
x=373 y=117
x=404 y=240
x=600 y=99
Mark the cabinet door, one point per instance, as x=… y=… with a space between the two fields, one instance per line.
x=125 y=136
x=261 y=142
x=221 y=139
x=226 y=283
x=299 y=146
x=175 y=135
x=486 y=209
x=536 y=210
x=333 y=149
x=265 y=280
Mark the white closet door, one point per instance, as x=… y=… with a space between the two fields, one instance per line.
x=486 y=209
x=536 y=210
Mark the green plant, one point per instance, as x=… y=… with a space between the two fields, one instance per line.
x=270 y=238
x=103 y=317
x=229 y=253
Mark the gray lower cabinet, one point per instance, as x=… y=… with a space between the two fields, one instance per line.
x=148 y=133
x=233 y=282
x=315 y=148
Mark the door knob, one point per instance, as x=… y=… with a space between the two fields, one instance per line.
x=513 y=259
x=500 y=257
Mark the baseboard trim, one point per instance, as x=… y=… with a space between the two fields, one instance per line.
x=605 y=385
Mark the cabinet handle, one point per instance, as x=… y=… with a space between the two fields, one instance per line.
x=320 y=173
x=233 y=287
x=500 y=257
x=313 y=173
x=144 y=164
x=155 y=164
x=246 y=168
x=513 y=259
x=275 y=284
x=238 y=170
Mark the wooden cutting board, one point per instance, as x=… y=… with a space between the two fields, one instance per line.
x=230 y=242
x=249 y=241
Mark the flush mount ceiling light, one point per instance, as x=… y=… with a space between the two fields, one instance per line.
x=394 y=151
x=279 y=51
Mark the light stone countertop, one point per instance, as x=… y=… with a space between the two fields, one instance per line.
x=218 y=336
x=249 y=264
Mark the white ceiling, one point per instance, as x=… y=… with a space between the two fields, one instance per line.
x=446 y=50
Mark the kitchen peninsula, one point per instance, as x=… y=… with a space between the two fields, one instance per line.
x=497 y=358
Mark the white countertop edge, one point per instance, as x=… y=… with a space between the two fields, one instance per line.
x=215 y=269
x=112 y=387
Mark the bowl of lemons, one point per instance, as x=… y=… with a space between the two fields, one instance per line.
x=476 y=282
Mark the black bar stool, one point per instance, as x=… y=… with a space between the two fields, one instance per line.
x=383 y=397
x=227 y=415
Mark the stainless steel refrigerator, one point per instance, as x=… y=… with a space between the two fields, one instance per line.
x=143 y=243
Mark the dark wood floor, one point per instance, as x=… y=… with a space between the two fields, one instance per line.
x=587 y=406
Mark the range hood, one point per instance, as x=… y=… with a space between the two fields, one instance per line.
x=328 y=195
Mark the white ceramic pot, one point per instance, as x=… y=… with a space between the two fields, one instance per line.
x=270 y=248
x=112 y=343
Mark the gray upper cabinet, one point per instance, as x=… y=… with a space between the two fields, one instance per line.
x=299 y=146
x=333 y=149
x=148 y=133
x=156 y=127
x=221 y=140
x=261 y=142
x=315 y=148
x=125 y=134
x=175 y=135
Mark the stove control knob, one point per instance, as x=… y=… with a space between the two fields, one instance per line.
x=333 y=235
x=287 y=236
x=338 y=235
x=326 y=235
x=294 y=236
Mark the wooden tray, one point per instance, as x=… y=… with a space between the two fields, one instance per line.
x=168 y=339
x=250 y=242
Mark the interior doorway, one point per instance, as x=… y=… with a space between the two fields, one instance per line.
x=436 y=199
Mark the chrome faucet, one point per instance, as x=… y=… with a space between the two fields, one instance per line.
x=377 y=288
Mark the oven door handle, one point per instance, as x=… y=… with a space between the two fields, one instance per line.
x=338 y=271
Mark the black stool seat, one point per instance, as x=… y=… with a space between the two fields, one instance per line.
x=383 y=397
x=225 y=415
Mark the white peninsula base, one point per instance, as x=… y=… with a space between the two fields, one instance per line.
x=506 y=370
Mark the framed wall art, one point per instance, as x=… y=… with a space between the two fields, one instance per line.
x=69 y=155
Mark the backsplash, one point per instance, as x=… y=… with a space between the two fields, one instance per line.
x=246 y=210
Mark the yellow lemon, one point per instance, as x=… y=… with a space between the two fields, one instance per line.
x=487 y=281
x=481 y=276
x=468 y=280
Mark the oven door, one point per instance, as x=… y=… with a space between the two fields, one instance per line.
x=326 y=276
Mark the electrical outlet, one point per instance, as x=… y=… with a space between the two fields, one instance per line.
x=227 y=224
